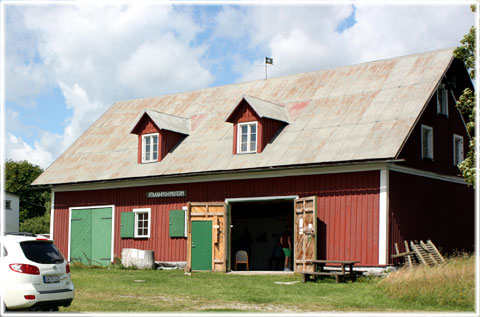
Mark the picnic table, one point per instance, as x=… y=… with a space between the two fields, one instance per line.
x=319 y=270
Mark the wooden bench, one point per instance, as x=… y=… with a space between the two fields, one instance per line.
x=319 y=270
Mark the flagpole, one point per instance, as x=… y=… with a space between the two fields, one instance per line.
x=268 y=60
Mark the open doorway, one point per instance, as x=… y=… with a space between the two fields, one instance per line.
x=256 y=228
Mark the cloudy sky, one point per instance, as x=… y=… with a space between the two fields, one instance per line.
x=65 y=64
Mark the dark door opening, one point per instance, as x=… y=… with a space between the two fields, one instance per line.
x=256 y=228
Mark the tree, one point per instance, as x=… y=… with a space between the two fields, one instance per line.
x=466 y=103
x=19 y=176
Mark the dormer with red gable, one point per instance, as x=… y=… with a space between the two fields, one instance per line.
x=255 y=122
x=158 y=133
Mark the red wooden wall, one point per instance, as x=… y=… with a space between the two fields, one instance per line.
x=267 y=128
x=347 y=211
x=166 y=139
x=443 y=129
x=423 y=208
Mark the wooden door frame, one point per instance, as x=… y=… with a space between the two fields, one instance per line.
x=188 y=267
x=228 y=203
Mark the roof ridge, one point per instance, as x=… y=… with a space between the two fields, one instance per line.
x=285 y=76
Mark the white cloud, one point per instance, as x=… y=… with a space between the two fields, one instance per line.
x=42 y=153
x=305 y=38
x=98 y=55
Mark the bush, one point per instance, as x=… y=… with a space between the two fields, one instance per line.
x=36 y=225
x=450 y=284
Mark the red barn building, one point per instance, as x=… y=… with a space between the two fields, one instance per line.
x=356 y=158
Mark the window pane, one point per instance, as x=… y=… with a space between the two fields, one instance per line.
x=244 y=129
x=253 y=128
x=253 y=146
x=244 y=147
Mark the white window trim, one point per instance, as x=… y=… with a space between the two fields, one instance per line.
x=426 y=127
x=462 y=155
x=442 y=88
x=142 y=211
x=239 y=137
x=144 y=136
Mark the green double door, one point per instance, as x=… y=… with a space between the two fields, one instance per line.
x=202 y=245
x=91 y=236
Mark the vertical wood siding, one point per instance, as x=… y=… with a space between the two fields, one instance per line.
x=347 y=211
x=421 y=208
x=267 y=128
x=443 y=130
x=167 y=141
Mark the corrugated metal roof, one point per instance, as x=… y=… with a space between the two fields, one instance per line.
x=358 y=112
x=263 y=108
x=166 y=122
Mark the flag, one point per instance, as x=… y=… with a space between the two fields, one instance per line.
x=268 y=60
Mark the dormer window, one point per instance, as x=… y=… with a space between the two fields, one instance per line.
x=150 y=148
x=158 y=134
x=256 y=122
x=247 y=137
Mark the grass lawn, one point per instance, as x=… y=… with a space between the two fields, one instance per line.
x=121 y=290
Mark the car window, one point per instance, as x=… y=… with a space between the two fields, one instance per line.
x=44 y=252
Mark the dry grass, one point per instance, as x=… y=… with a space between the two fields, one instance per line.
x=448 y=285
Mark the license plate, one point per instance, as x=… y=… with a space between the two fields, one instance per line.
x=51 y=279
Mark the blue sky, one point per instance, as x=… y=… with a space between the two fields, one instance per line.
x=65 y=64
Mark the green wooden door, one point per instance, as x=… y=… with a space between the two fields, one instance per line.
x=91 y=236
x=81 y=236
x=202 y=245
x=102 y=235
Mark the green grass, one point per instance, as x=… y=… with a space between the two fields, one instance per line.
x=450 y=285
x=120 y=290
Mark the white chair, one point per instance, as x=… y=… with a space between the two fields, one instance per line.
x=241 y=257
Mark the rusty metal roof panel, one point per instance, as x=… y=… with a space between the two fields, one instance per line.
x=263 y=108
x=357 y=112
x=166 y=121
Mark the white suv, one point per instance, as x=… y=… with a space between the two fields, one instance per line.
x=33 y=273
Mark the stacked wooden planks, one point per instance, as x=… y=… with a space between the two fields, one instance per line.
x=419 y=253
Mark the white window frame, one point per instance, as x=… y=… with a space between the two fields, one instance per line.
x=151 y=148
x=429 y=154
x=137 y=212
x=444 y=91
x=239 y=137
x=457 y=159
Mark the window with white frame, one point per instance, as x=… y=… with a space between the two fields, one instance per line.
x=442 y=100
x=457 y=149
x=427 y=142
x=247 y=137
x=150 y=148
x=142 y=222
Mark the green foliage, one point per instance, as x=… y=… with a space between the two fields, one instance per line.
x=466 y=103
x=19 y=176
x=40 y=224
x=466 y=51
